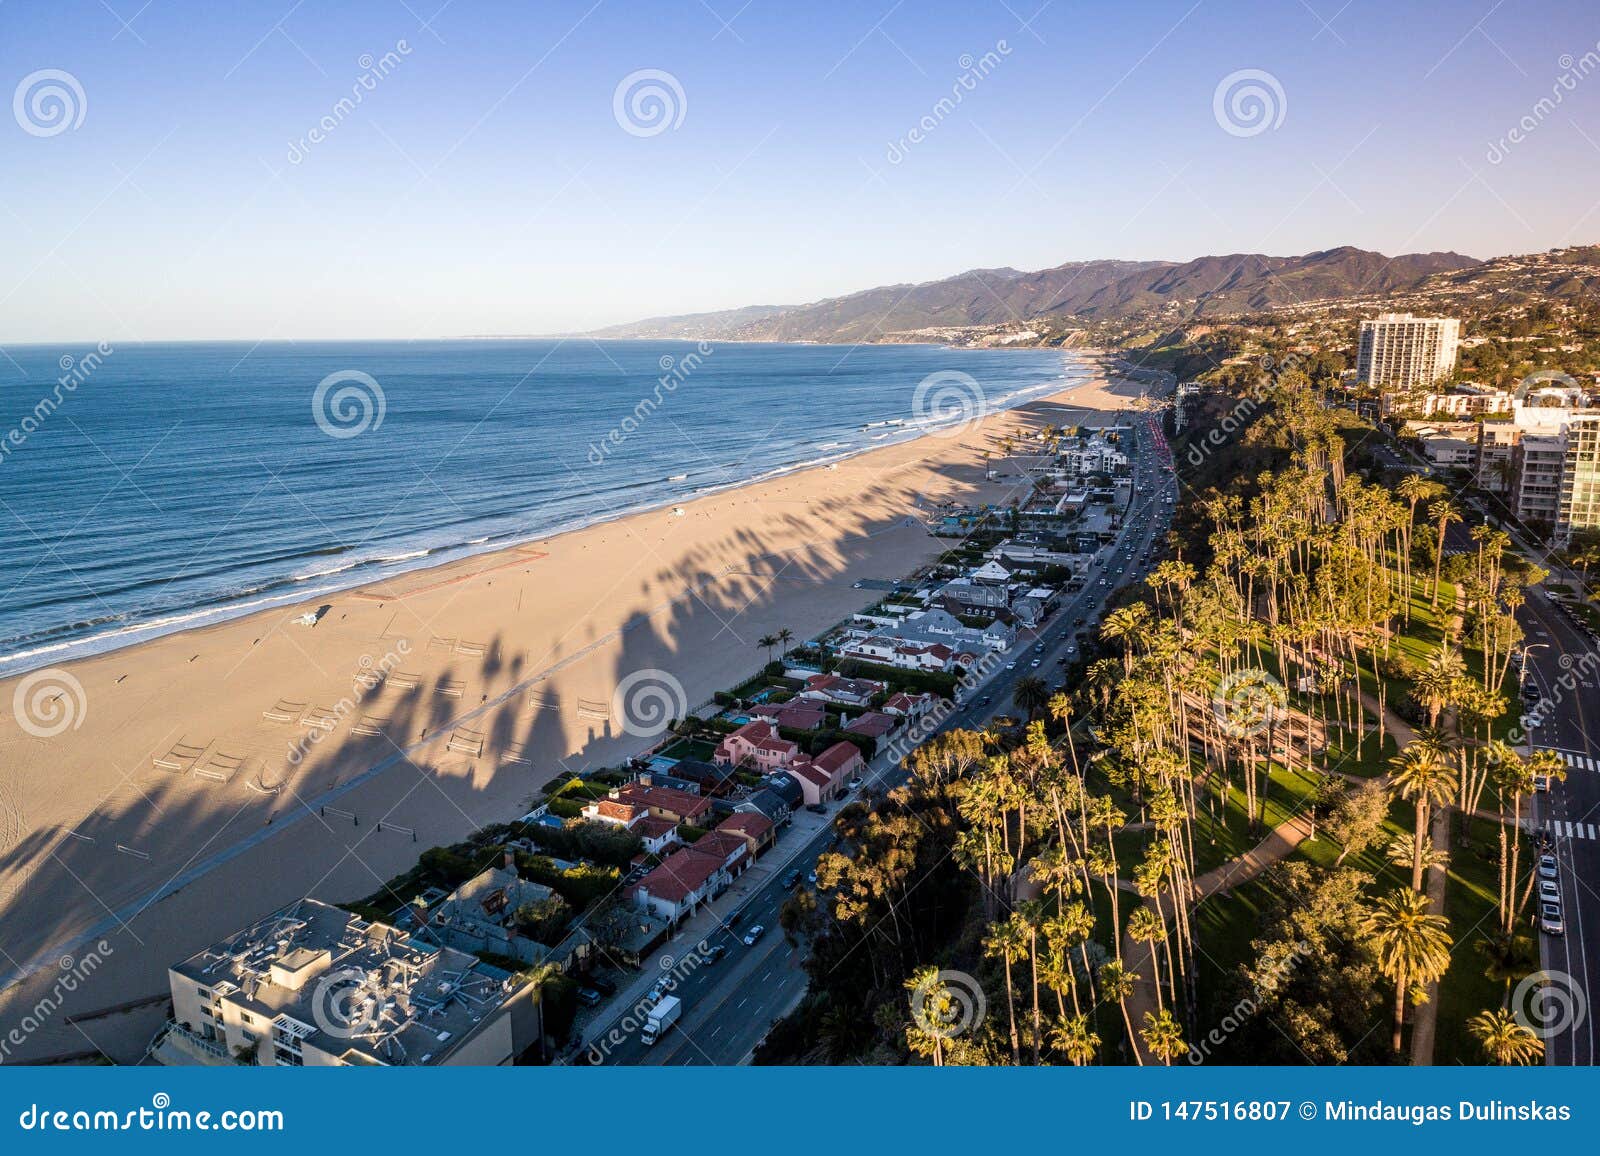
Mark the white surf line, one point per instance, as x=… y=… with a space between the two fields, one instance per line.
x=121 y=917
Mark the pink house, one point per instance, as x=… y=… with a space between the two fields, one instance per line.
x=757 y=744
x=825 y=776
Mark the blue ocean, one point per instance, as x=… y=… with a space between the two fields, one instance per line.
x=148 y=488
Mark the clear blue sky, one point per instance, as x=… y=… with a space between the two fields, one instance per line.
x=485 y=186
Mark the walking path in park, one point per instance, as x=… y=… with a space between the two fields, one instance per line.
x=1143 y=958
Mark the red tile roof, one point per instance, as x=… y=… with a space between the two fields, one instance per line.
x=653 y=828
x=746 y=823
x=837 y=757
x=679 y=874
x=664 y=798
x=872 y=723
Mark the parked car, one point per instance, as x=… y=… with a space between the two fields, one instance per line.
x=588 y=996
x=855 y=784
x=1541 y=782
x=1550 y=921
x=1547 y=867
x=602 y=985
x=1549 y=892
x=753 y=934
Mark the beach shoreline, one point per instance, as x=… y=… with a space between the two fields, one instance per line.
x=195 y=788
x=293 y=590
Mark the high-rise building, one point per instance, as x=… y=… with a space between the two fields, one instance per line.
x=1403 y=351
x=1579 y=510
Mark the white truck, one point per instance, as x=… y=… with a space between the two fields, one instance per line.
x=661 y=1017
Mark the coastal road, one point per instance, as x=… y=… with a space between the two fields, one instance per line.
x=1563 y=662
x=729 y=1006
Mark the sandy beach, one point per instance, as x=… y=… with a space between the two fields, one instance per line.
x=214 y=775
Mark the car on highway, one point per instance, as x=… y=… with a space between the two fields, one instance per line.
x=753 y=934
x=717 y=952
x=1035 y=662
x=1550 y=921
x=791 y=878
x=1541 y=783
x=1547 y=867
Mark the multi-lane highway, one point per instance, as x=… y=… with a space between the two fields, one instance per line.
x=729 y=1004
x=1563 y=663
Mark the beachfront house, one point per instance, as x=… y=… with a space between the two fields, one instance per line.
x=835 y=688
x=757 y=744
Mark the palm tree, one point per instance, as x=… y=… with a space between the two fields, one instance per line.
x=1030 y=694
x=1116 y=982
x=768 y=641
x=1441 y=514
x=1008 y=942
x=1075 y=1038
x=1427 y=779
x=1503 y=1040
x=931 y=1008
x=1411 y=946
x=537 y=977
x=784 y=637
x=1145 y=926
x=1163 y=1036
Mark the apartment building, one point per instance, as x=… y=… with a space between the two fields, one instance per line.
x=1401 y=351
x=313 y=985
x=1579 y=508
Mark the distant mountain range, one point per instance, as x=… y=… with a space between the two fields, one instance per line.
x=1067 y=296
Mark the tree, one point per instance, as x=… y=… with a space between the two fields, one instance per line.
x=931 y=1009
x=537 y=977
x=1441 y=514
x=1422 y=775
x=1030 y=694
x=1357 y=818
x=1504 y=1040
x=768 y=641
x=1008 y=942
x=1410 y=945
x=784 y=637
x=1117 y=982
x=1163 y=1036
x=1075 y=1038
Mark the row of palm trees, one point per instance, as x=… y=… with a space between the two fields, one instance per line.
x=1304 y=580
